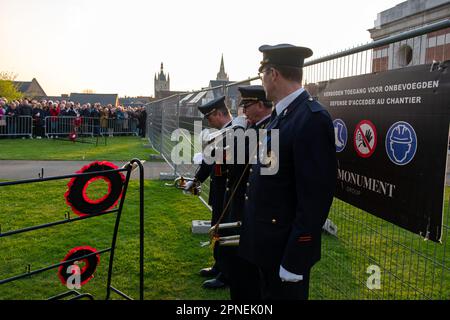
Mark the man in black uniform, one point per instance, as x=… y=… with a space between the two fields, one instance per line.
x=218 y=117
x=286 y=208
x=242 y=275
x=256 y=107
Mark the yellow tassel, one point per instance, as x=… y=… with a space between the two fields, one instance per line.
x=214 y=239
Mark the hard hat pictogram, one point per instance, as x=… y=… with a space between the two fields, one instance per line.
x=401 y=143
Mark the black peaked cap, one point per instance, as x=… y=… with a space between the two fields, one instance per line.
x=252 y=93
x=212 y=105
x=284 y=55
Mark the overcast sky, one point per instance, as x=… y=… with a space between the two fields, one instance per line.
x=117 y=46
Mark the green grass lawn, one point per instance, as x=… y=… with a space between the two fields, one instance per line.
x=410 y=267
x=173 y=255
x=116 y=148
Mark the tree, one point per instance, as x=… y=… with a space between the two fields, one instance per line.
x=8 y=89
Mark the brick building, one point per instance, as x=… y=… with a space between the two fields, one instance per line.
x=406 y=16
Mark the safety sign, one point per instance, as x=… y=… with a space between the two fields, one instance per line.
x=401 y=143
x=365 y=138
x=340 y=134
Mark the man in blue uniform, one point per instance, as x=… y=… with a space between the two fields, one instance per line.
x=285 y=210
x=243 y=277
x=256 y=107
x=218 y=117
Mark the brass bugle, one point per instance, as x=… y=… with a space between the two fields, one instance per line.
x=234 y=237
x=229 y=241
x=179 y=182
x=225 y=241
x=228 y=225
x=221 y=226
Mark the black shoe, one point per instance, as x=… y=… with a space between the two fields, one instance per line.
x=209 y=272
x=213 y=284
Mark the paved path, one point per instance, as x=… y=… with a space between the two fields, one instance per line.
x=24 y=169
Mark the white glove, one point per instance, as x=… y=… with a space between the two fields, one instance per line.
x=189 y=185
x=289 y=276
x=198 y=158
x=239 y=122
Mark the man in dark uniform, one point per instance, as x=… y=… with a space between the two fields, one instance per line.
x=242 y=275
x=285 y=210
x=218 y=117
x=256 y=107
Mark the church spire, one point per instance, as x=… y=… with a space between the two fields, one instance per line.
x=222 y=65
x=222 y=74
x=161 y=75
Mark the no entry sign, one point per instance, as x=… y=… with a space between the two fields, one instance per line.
x=365 y=138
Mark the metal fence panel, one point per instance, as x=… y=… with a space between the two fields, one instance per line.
x=18 y=126
x=63 y=126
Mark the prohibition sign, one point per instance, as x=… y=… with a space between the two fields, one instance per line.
x=365 y=138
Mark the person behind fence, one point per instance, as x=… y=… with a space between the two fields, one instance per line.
x=111 y=119
x=125 y=120
x=54 y=114
x=11 y=120
x=285 y=209
x=142 y=122
x=218 y=117
x=94 y=113
x=38 y=121
x=104 y=114
x=2 y=117
x=119 y=120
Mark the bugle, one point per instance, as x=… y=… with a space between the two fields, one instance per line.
x=181 y=183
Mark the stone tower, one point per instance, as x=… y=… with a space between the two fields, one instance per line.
x=161 y=82
x=222 y=75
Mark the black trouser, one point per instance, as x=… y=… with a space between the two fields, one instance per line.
x=217 y=265
x=242 y=276
x=39 y=131
x=245 y=281
x=273 y=288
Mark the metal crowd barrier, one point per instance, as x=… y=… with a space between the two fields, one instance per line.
x=120 y=126
x=56 y=126
x=18 y=126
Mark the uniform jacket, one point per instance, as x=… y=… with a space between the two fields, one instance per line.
x=218 y=175
x=284 y=212
x=237 y=180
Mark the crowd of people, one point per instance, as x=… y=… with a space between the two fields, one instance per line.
x=104 y=118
